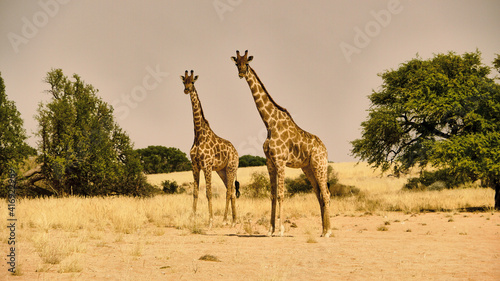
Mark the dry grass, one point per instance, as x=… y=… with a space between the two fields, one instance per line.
x=128 y=215
x=81 y=222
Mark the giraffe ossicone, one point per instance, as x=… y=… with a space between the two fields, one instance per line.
x=287 y=145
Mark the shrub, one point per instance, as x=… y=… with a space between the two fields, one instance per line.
x=435 y=180
x=298 y=185
x=342 y=190
x=259 y=186
x=170 y=187
x=303 y=185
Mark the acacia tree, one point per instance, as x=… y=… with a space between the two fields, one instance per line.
x=83 y=151
x=444 y=111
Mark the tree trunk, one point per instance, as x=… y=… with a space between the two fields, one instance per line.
x=497 y=194
x=26 y=184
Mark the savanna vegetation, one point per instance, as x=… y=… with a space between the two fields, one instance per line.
x=158 y=159
x=433 y=124
x=251 y=161
x=442 y=112
x=13 y=148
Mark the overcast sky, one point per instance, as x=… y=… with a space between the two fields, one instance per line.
x=318 y=59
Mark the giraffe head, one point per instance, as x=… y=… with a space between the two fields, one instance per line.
x=188 y=81
x=242 y=63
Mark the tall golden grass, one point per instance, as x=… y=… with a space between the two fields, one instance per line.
x=77 y=220
x=127 y=214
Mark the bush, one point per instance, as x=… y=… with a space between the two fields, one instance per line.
x=342 y=190
x=436 y=180
x=171 y=187
x=252 y=161
x=259 y=186
x=303 y=185
x=337 y=189
x=298 y=185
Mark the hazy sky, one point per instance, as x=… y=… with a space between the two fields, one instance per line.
x=318 y=59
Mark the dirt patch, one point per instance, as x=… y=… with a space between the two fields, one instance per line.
x=436 y=246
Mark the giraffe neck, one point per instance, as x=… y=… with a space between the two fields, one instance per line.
x=198 y=117
x=267 y=107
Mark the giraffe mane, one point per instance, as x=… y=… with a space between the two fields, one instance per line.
x=201 y=107
x=271 y=98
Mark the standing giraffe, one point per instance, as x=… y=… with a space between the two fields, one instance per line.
x=287 y=145
x=210 y=153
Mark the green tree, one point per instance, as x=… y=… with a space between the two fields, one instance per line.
x=160 y=159
x=13 y=148
x=444 y=111
x=252 y=161
x=83 y=151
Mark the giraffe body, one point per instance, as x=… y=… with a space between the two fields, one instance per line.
x=287 y=145
x=210 y=153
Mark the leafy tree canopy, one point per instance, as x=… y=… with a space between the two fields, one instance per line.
x=444 y=111
x=160 y=159
x=13 y=148
x=83 y=151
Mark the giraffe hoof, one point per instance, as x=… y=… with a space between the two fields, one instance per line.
x=327 y=234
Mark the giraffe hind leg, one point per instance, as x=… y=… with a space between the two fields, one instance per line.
x=231 y=187
x=320 y=168
x=223 y=175
x=322 y=193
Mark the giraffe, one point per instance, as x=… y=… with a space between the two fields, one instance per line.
x=287 y=145
x=211 y=153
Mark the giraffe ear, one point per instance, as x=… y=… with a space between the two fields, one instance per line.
x=182 y=78
x=195 y=78
x=250 y=58
x=233 y=59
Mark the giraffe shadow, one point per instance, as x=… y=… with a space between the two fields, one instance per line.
x=246 y=235
x=256 y=235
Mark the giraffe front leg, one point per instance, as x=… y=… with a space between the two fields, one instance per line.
x=281 y=195
x=196 y=188
x=208 y=181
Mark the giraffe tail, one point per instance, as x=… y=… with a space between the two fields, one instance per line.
x=237 y=187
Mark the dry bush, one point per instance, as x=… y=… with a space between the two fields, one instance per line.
x=209 y=258
x=258 y=187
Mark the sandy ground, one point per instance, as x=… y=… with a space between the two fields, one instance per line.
x=432 y=246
